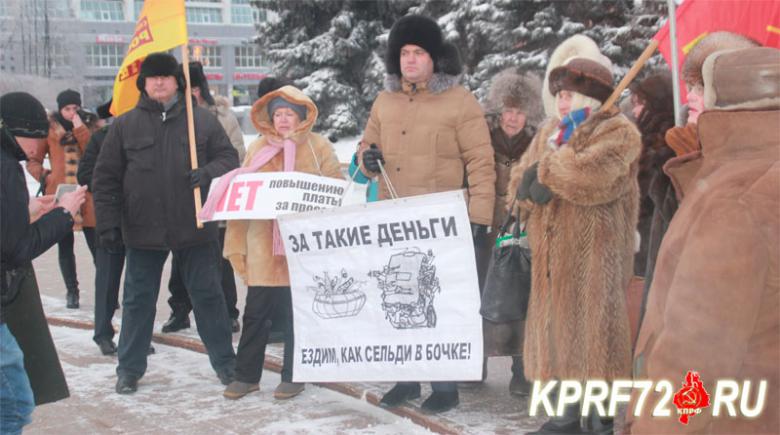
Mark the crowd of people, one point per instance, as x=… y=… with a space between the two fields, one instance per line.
x=604 y=192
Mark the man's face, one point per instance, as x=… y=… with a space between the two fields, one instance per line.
x=695 y=103
x=161 y=88
x=512 y=120
x=30 y=145
x=416 y=64
x=68 y=111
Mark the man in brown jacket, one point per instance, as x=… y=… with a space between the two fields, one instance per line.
x=66 y=143
x=431 y=135
x=715 y=301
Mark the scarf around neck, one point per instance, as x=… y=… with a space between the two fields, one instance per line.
x=569 y=123
x=67 y=125
x=218 y=196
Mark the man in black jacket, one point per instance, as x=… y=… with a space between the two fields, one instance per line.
x=143 y=184
x=29 y=367
x=109 y=260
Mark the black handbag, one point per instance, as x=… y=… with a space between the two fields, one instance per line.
x=508 y=281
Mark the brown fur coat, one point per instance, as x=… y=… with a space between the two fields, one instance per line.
x=582 y=245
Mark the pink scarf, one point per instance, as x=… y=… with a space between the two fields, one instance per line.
x=262 y=157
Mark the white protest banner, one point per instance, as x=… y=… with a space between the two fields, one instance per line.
x=266 y=195
x=385 y=291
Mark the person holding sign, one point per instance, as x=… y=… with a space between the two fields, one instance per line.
x=284 y=118
x=430 y=135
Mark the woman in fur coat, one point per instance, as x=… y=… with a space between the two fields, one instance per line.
x=577 y=185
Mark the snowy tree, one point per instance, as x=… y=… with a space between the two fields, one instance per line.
x=334 y=49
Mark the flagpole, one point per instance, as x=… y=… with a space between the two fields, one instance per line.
x=675 y=61
x=185 y=63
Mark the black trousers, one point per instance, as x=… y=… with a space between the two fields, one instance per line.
x=109 y=263
x=200 y=272
x=180 y=300
x=261 y=304
x=67 y=258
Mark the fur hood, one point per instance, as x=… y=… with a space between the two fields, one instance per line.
x=691 y=68
x=518 y=90
x=437 y=84
x=263 y=123
x=578 y=46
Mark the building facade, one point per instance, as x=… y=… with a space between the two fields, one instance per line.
x=87 y=40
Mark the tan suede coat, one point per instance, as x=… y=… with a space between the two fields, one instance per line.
x=434 y=139
x=714 y=306
x=249 y=243
x=582 y=245
x=64 y=165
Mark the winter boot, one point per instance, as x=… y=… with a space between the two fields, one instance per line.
x=288 y=390
x=518 y=385
x=107 y=346
x=237 y=389
x=126 y=384
x=568 y=423
x=440 y=401
x=72 y=299
x=180 y=319
x=399 y=394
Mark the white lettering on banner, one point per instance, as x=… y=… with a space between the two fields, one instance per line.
x=385 y=291
x=266 y=195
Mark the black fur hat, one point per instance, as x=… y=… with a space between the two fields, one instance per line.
x=67 y=97
x=422 y=32
x=198 y=80
x=103 y=111
x=23 y=115
x=157 y=65
x=270 y=83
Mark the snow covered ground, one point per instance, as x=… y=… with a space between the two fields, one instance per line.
x=181 y=394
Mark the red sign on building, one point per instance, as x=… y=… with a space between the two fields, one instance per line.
x=214 y=76
x=249 y=76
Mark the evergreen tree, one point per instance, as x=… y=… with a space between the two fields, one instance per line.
x=334 y=49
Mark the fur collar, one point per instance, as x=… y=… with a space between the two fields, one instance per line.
x=438 y=83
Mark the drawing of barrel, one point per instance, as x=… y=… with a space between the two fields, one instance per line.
x=331 y=306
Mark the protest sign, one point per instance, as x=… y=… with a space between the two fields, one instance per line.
x=385 y=291
x=266 y=195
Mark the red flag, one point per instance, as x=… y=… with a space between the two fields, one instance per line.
x=758 y=19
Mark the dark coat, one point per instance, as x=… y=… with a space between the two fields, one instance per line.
x=21 y=303
x=89 y=159
x=141 y=181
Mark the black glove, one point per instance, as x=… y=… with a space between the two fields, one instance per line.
x=199 y=178
x=540 y=194
x=111 y=239
x=523 y=190
x=480 y=234
x=371 y=158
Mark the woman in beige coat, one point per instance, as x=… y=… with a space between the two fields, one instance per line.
x=284 y=118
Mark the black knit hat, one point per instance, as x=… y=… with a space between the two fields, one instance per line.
x=159 y=64
x=23 y=115
x=68 y=96
x=422 y=32
x=269 y=84
x=198 y=80
x=103 y=110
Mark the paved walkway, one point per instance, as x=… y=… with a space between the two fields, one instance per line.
x=95 y=408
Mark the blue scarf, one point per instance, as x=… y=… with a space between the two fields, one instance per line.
x=570 y=122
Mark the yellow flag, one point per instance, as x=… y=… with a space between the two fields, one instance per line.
x=162 y=25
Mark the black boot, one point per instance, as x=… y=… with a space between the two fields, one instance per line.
x=568 y=423
x=518 y=385
x=440 y=401
x=126 y=384
x=180 y=319
x=400 y=394
x=72 y=299
x=107 y=346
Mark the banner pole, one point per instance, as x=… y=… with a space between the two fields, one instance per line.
x=185 y=62
x=640 y=62
x=675 y=62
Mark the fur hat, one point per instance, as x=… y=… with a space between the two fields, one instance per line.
x=68 y=96
x=159 y=64
x=269 y=84
x=716 y=41
x=742 y=79
x=577 y=46
x=655 y=90
x=23 y=115
x=423 y=32
x=198 y=80
x=512 y=89
x=103 y=111
x=582 y=75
